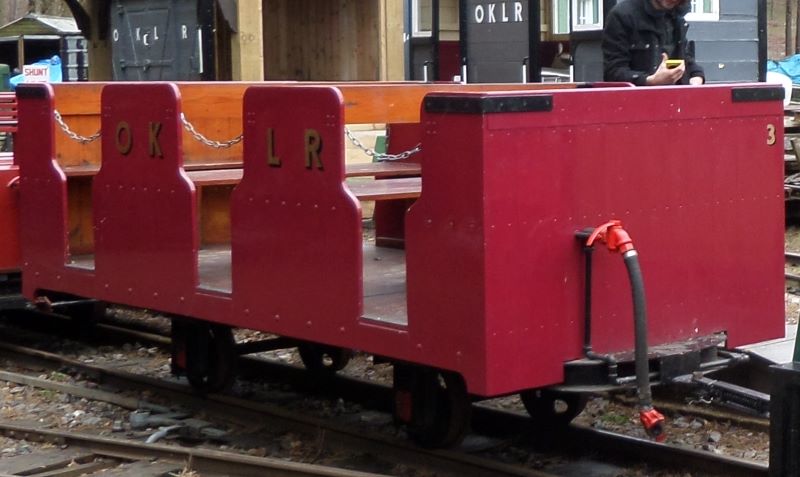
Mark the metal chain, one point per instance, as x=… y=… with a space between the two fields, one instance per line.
x=209 y=142
x=72 y=134
x=377 y=155
x=226 y=144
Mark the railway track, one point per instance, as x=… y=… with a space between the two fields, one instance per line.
x=98 y=454
x=487 y=420
x=242 y=412
x=792 y=258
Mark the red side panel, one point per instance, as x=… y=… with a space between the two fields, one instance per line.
x=296 y=229
x=389 y=215
x=144 y=206
x=695 y=177
x=43 y=190
x=445 y=250
x=9 y=225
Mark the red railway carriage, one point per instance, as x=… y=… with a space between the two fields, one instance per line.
x=9 y=233
x=9 y=253
x=488 y=295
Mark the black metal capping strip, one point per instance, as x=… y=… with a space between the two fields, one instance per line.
x=471 y=105
x=741 y=95
x=31 y=91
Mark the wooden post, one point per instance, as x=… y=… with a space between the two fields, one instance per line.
x=247 y=47
x=392 y=64
x=788 y=29
x=797 y=26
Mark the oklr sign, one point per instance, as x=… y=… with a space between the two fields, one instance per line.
x=498 y=12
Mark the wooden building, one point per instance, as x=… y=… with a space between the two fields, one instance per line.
x=367 y=40
x=246 y=40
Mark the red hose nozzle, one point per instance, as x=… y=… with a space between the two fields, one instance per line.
x=613 y=235
x=653 y=422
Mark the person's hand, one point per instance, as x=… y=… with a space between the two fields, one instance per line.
x=695 y=80
x=664 y=75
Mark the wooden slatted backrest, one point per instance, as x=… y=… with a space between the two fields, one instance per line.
x=215 y=110
x=8 y=112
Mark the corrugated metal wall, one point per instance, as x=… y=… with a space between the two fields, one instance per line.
x=731 y=49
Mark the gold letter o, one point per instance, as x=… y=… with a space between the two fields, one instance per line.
x=124 y=147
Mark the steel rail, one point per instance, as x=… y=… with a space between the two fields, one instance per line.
x=792 y=256
x=650 y=452
x=243 y=412
x=354 y=388
x=203 y=460
x=496 y=422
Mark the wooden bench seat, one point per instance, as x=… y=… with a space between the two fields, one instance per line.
x=92 y=169
x=8 y=112
x=383 y=169
x=368 y=190
x=383 y=189
x=216 y=178
x=386 y=189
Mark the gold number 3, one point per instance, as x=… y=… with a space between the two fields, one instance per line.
x=771 y=138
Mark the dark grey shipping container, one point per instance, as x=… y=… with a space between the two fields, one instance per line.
x=74 y=59
x=156 y=40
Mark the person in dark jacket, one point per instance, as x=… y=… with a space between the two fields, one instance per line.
x=640 y=36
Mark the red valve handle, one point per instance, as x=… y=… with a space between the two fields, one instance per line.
x=613 y=235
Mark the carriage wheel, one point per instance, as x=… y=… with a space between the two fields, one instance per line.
x=553 y=409
x=210 y=357
x=322 y=358
x=434 y=404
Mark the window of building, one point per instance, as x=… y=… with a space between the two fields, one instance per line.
x=560 y=17
x=704 y=11
x=587 y=15
x=421 y=14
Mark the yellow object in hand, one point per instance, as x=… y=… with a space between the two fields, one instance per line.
x=674 y=63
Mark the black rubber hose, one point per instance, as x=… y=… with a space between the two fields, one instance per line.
x=640 y=328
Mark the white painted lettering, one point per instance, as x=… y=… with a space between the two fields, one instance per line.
x=489 y=13
x=184 y=32
x=479 y=14
x=155 y=33
x=115 y=35
x=138 y=36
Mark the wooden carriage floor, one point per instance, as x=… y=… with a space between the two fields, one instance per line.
x=83 y=262
x=385 y=285
x=384 y=279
